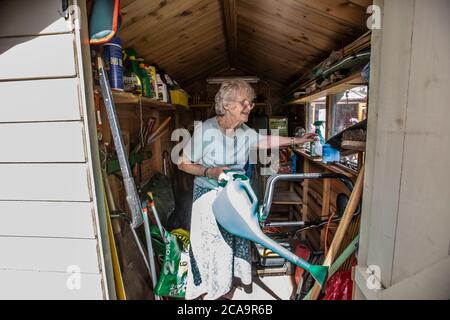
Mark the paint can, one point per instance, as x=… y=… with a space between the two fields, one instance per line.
x=113 y=59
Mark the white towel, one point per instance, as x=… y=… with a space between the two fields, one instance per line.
x=213 y=256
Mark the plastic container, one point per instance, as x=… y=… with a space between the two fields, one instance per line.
x=151 y=72
x=316 y=146
x=329 y=154
x=113 y=59
x=163 y=94
x=179 y=97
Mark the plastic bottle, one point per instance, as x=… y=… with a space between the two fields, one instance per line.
x=316 y=146
x=131 y=80
x=162 y=89
x=137 y=68
x=146 y=82
x=151 y=72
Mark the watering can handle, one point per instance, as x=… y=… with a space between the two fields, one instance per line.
x=251 y=194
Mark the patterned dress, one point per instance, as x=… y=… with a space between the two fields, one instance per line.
x=241 y=260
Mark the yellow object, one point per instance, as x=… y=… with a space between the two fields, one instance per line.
x=179 y=97
x=120 y=289
x=183 y=235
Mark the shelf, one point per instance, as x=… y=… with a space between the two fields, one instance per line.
x=127 y=98
x=335 y=167
x=333 y=88
x=210 y=105
x=354 y=145
x=286 y=197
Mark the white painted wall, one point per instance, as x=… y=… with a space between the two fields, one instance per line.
x=406 y=204
x=50 y=203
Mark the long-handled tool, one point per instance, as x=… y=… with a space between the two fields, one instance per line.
x=130 y=188
x=353 y=203
x=152 y=206
x=351 y=248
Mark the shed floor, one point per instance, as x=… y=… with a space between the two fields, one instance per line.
x=268 y=288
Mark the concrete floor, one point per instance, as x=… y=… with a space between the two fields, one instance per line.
x=281 y=287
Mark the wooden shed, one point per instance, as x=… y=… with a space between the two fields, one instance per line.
x=371 y=77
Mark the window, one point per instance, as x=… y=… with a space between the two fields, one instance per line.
x=317 y=110
x=349 y=108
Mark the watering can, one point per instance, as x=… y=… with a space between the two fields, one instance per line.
x=236 y=210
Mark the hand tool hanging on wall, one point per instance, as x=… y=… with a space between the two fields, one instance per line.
x=159 y=129
x=132 y=196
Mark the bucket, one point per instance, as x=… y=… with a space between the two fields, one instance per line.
x=113 y=58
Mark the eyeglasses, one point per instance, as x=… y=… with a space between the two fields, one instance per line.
x=246 y=104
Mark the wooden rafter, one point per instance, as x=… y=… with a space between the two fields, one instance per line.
x=231 y=34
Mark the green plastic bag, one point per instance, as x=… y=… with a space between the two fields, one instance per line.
x=173 y=277
x=158 y=243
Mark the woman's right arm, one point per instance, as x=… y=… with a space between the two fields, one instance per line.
x=184 y=164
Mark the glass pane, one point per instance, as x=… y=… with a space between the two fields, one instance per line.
x=316 y=111
x=349 y=108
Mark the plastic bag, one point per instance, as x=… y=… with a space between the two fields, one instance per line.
x=340 y=286
x=173 y=278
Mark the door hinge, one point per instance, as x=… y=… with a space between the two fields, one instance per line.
x=64 y=9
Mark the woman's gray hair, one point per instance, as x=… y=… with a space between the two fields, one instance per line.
x=228 y=91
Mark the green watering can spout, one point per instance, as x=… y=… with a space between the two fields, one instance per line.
x=319 y=273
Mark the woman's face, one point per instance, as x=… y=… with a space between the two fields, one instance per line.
x=239 y=109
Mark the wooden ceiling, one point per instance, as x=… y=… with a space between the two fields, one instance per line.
x=275 y=39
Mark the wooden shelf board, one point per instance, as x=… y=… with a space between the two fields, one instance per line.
x=127 y=98
x=333 y=88
x=286 y=197
x=335 y=167
x=210 y=105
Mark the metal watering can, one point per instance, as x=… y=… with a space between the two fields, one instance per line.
x=236 y=210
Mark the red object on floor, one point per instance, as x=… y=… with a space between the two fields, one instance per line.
x=340 y=286
x=304 y=253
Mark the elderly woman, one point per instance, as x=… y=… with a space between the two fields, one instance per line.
x=221 y=143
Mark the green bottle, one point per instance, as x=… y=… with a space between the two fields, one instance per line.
x=137 y=68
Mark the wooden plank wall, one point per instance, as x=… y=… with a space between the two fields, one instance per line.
x=406 y=196
x=48 y=216
x=319 y=202
x=276 y=40
x=130 y=123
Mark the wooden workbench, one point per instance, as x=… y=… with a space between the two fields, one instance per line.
x=319 y=196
